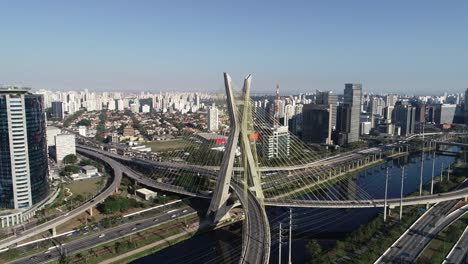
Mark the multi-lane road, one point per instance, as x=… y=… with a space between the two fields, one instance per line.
x=31 y=232
x=412 y=243
x=459 y=252
x=97 y=237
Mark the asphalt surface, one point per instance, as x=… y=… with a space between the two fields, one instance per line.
x=97 y=237
x=256 y=236
x=459 y=252
x=31 y=232
x=411 y=244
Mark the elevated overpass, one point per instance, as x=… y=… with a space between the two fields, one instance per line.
x=52 y=224
x=391 y=203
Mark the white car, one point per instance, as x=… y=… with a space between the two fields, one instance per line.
x=173 y=216
x=102 y=235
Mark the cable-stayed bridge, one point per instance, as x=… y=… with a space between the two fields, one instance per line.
x=241 y=175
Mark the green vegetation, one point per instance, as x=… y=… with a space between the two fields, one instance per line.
x=368 y=242
x=315 y=250
x=129 y=243
x=101 y=127
x=86 y=187
x=70 y=159
x=69 y=170
x=168 y=145
x=440 y=246
x=83 y=122
x=72 y=118
x=115 y=204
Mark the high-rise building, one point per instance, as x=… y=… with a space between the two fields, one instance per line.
x=317 y=123
x=57 y=110
x=466 y=106
x=404 y=118
x=352 y=98
x=64 y=145
x=444 y=113
x=23 y=148
x=275 y=142
x=213 y=118
x=328 y=98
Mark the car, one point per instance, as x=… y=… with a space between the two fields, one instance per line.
x=66 y=214
x=47 y=252
x=137 y=224
x=173 y=216
x=184 y=211
x=49 y=256
x=102 y=235
x=133 y=229
x=32 y=258
x=155 y=220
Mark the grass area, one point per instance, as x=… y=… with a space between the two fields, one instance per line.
x=168 y=145
x=85 y=187
x=440 y=246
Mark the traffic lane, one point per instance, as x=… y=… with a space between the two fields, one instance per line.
x=107 y=235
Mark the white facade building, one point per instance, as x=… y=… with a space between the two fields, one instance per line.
x=64 y=145
x=213 y=119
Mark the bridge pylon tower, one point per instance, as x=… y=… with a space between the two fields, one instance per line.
x=243 y=135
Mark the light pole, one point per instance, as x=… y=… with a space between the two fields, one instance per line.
x=448 y=173
x=279 y=257
x=422 y=163
x=290 y=234
x=401 y=192
x=385 y=198
x=441 y=172
x=432 y=178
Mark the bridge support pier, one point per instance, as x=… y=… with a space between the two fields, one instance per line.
x=91 y=212
x=53 y=230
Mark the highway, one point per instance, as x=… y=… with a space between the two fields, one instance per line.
x=459 y=252
x=256 y=234
x=145 y=180
x=412 y=243
x=98 y=237
x=117 y=171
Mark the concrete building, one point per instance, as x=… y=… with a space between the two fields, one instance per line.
x=213 y=119
x=51 y=133
x=317 y=123
x=444 y=113
x=82 y=130
x=23 y=149
x=90 y=171
x=275 y=143
x=365 y=128
x=58 y=112
x=128 y=131
x=145 y=108
x=146 y=194
x=64 y=145
x=352 y=98
x=466 y=106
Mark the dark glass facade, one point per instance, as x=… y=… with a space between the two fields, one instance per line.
x=37 y=152
x=37 y=146
x=6 y=184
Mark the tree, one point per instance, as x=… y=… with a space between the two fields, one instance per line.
x=83 y=122
x=315 y=250
x=69 y=170
x=70 y=159
x=117 y=247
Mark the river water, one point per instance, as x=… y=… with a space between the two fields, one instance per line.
x=224 y=245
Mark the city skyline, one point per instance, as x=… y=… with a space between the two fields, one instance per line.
x=416 y=47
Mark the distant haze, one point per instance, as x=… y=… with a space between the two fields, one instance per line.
x=416 y=47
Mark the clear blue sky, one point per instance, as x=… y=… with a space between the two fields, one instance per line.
x=419 y=46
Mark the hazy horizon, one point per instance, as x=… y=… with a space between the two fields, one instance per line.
x=416 y=47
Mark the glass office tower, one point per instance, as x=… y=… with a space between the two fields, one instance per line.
x=23 y=148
